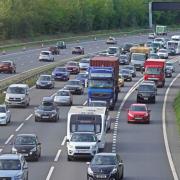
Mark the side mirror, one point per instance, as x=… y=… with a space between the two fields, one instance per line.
x=38 y=143
x=88 y=163
x=27 y=92
x=67 y=140
x=25 y=166
x=120 y=164
x=99 y=141
x=149 y=110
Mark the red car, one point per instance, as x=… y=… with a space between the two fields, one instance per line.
x=138 y=113
x=8 y=67
x=73 y=67
x=78 y=50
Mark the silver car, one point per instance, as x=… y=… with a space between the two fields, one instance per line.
x=63 y=97
x=5 y=115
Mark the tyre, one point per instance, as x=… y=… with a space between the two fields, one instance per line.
x=69 y=158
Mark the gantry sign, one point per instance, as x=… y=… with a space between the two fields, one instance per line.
x=162 y=6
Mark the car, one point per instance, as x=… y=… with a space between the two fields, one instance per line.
x=61 y=45
x=84 y=63
x=162 y=53
x=132 y=69
x=54 y=50
x=83 y=77
x=152 y=36
x=113 y=51
x=138 y=113
x=28 y=145
x=120 y=81
x=73 y=67
x=111 y=40
x=168 y=73
x=170 y=65
x=160 y=40
x=124 y=59
x=61 y=73
x=153 y=56
x=171 y=51
x=63 y=97
x=13 y=167
x=17 y=95
x=105 y=166
x=46 y=56
x=82 y=144
x=126 y=48
x=45 y=81
x=5 y=115
x=126 y=74
x=46 y=111
x=78 y=50
x=146 y=92
x=74 y=86
x=7 y=67
x=151 y=82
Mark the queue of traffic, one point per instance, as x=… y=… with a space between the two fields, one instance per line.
x=103 y=76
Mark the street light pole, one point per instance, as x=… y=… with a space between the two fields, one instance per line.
x=150 y=15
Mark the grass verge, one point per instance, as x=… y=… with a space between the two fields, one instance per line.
x=176 y=106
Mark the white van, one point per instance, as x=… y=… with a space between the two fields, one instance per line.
x=17 y=95
x=89 y=119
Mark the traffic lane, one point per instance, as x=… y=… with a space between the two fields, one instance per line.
x=78 y=168
x=141 y=145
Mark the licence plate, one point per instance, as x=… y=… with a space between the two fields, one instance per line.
x=82 y=151
x=138 y=118
x=101 y=176
x=45 y=116
x=24 y=154
x=146 y=98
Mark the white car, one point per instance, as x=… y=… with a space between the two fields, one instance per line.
x=63 y=97
x=163 y=53
x=111 y=40
x=170 y=65
x=82 y=144
x=152 y=35
x=84 y=63
x=5 y=115
x=46 y=56
x=160 y=40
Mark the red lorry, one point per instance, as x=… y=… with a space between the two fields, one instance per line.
x=155 y=70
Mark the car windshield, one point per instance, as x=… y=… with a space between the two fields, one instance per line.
x=2 y=109
x=162 y=51
x=124 y=71
x=129 y=67
x=146 y=87
x=169 y=64
x=112 y=50
x=72 y=64
x=83 y=138
x=45 y=53
x=46 y=108
x=123 y=57
x=100 y=83
x=60 y=69
x=74 y=83
x=6 y=63
x=158 y=40
x=82 y=76
x=44 y=78
x=84 y=61
x=16 y=90
x=104 y=160
x=138 y=57
x=10 y=164
x=25 y=140
x=153 y=56
x=63 y=93
x=77 y=47
x=138 y=108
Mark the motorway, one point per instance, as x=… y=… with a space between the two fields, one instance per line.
x=141 y=146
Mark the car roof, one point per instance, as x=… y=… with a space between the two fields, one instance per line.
x=30 y=135
x=74 y=80
x=47 y=98
x=138 y=104
x=19 y=85
x=106 y=154
x=7 y=61
x=10 y=156
x=84 y=132
x=45 y=75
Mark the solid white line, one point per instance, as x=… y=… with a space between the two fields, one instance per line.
x=10 y=137
x=57 y=155
x=173 y=169
x=84 y=103
x=28 y=117
x=64 y=141
x=20 y=126
x=50 y=173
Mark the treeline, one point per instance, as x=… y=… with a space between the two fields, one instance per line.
x=24 y=18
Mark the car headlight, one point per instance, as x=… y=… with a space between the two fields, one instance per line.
x=114 y=171
x=111 y=101
x=53 y=113
x=37 y=114
x=3 y=117
x=14 y=150
x=34 y=149
x=70 y=146
x=90 y=172
x=22 y=98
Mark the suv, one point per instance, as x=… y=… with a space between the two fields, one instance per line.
x=13 y=166
x=146 y=93
x=7 y=66
x=17 y=95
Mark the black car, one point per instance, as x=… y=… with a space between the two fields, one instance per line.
x=132 y=69
x=168 y=73
x=126 y=48
x=146 y=93
x=107 y=166
x=45 y=81
x=28 y=145
x=126 y=74
x=124 y=59
x=47 y=111
x=74 y=86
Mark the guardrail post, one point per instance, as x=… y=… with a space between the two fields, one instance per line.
x=3 y=52
x=42 y=45
x=95 y=38
x=24 y=48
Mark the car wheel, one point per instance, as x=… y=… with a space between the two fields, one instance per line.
x=69 y=158
x=36 y=120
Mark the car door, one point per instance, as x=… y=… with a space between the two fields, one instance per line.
x=8 y=113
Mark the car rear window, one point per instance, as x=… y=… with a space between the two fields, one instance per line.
x=45 y=53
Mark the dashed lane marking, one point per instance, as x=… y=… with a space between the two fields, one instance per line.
x=19 y=127
x=9 y=139
x=50 y=173
x=28 y=117
x=64 y=141
x=57 y=155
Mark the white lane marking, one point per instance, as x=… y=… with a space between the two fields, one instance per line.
x=20 y=126
x=10 y=137
x=1 y=150
x=64 y=141
x=57 y=155
x=50 y=173
x=32 y=87
x=171 y=163
x=28 y=117
x=84 y=103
